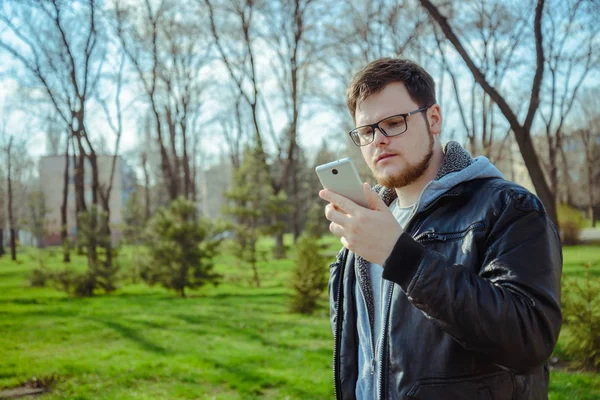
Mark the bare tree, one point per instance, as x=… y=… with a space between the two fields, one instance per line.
x=522 y=130
x=566 y=23
x=589 y=134
x=60 y=49
x=168 y=53
x=499 y=29
x=239 y=57
x=236 y=47
x=370 y=30
x=294 y=37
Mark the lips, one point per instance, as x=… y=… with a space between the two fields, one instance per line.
x=383 y=156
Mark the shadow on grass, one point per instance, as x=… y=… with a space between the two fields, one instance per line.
x=254 y=383
x=13 y=274
x=23 y=301
x=133 y=335
x=45 y=313
x=251 y=295
x=258 y=332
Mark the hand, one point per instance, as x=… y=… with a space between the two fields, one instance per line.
x=369 y=232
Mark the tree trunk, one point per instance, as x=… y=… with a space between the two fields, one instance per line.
x=297 y=204
x=2 y=219
x=188 y=183
x=165 y=165
x=279 y=247
x=175 y=183
x=63 y=209
x=79 y=180
x=11 y=221
x=13 y=244
x=567 y=177
x=93 y=216
x=553 y=170
x=146 y=186
x=106 y=242
x=590 y=174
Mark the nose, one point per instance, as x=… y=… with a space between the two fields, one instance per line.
x=379 y=138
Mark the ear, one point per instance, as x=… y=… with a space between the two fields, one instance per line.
x=434 y=117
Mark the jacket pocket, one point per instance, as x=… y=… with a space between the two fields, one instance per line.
x=431 y=235
x=490 y=386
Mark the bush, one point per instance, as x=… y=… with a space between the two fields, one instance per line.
x=581 y=313
x=65 y=280
x=40 y=277
x=310 y=275
x=181 y=248
x=571 y=223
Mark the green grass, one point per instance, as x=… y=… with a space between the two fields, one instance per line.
x=232 y=341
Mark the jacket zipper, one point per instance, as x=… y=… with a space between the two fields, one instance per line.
x=338 y=329
x=432 y=235
x=383 y=367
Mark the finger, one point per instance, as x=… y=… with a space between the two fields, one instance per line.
x=335 y=215
x=340 y=201
x=336 y=229
x=375 y=202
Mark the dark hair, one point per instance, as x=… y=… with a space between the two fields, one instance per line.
x=378 y=74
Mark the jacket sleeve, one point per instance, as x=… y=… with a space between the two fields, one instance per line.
x=335 y=280
x=509 y=310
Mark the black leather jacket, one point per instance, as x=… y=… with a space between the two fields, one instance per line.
x=475 y=309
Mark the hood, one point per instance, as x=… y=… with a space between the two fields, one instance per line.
x=457 y=166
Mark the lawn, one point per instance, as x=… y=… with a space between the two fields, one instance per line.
x=232 y=341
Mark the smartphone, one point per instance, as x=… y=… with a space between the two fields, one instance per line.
x=342 y=178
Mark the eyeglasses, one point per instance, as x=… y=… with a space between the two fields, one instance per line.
x=390 y=126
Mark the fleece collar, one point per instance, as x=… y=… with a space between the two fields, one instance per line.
x=456 y=158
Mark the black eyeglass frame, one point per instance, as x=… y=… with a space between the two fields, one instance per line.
x=376 y=126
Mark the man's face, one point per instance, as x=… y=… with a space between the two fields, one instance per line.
x=399 y=160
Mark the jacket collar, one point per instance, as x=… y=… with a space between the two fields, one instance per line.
x=456 y=158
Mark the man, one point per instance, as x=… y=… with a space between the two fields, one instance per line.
x=448 y=284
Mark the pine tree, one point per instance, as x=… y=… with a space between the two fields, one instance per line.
x=181 y=248
x=134 y=219
x=254 y=208
x=310 y=274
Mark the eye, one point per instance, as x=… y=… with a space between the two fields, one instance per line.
x=393 y=123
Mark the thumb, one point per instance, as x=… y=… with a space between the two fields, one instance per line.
x=373 y=199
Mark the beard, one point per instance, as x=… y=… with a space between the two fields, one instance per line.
x=411 y=173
